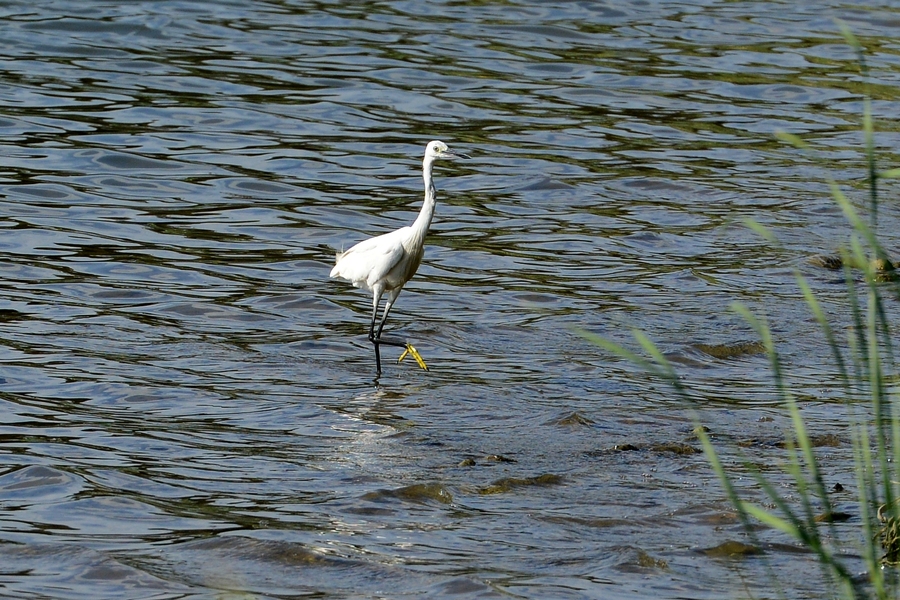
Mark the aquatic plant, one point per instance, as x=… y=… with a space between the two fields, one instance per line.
x=866 y=368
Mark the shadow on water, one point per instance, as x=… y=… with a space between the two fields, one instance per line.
x=189 y=405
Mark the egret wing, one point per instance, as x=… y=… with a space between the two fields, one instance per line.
x=369 y=261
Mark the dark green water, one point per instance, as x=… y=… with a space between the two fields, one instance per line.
x=189 y=405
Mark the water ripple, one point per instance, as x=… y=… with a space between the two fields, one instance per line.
x=189 y=403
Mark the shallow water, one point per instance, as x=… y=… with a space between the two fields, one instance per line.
x=189 y=404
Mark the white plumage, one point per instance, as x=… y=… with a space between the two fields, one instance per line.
x=383 y=264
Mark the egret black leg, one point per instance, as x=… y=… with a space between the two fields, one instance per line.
x=375 y=341
x=387 y=309
x=377 y=357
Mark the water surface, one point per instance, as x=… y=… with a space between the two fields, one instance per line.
x=189 y=404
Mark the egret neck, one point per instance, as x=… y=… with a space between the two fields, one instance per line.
x=423 y=221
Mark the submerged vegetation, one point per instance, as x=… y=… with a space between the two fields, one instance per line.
x=866 y=369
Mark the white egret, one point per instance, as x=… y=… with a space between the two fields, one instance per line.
x=384 y=264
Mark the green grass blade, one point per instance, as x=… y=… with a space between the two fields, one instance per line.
x=822 y=320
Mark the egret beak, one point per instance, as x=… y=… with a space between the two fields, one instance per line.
x=449 y=154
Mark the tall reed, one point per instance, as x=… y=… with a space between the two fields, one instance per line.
x=865 y=368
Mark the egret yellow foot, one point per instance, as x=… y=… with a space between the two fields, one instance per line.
x=410 y=349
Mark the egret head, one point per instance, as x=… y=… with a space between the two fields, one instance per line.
x=438 y=149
